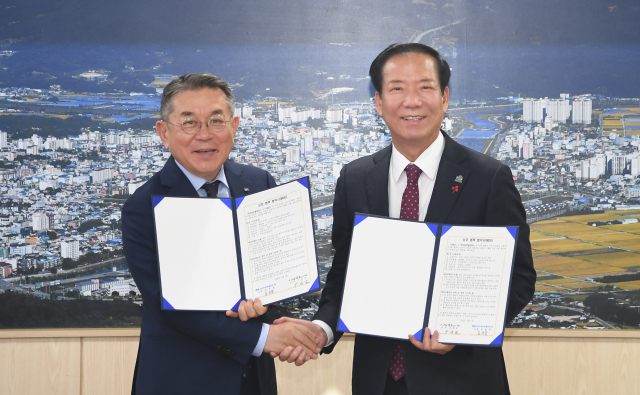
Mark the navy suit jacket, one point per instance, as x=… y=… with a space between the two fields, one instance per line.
x=486 y=196
x=185 y=352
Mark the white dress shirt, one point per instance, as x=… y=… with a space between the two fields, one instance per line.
x=428 y=162
x=224 y=192
x=197 y=182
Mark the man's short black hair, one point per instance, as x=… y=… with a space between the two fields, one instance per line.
x=375 y=71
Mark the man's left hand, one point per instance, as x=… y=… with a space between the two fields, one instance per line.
x=431 y=343
x=248 y=309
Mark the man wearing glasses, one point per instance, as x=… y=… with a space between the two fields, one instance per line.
x=184 y=352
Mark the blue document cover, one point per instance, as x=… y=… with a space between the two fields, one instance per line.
x=213 y=253
x=453 y=279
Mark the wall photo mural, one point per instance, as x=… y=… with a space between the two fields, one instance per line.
x=550 y=88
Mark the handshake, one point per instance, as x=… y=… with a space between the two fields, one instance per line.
x=292 y=340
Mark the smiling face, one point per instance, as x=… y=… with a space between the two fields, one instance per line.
x=411 y=102
x=202 y=153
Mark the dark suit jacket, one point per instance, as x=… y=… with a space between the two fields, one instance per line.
x=487 y=196
x=184 y=352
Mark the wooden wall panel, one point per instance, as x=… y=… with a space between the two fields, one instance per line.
x=97 y=362
x=580 y=366
x=40 y=366
x=328 y=375
x=107 y=365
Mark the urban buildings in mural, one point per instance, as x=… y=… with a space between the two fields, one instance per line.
x=574 y=158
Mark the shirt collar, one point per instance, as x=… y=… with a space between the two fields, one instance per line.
x=198 y=182
x=428 y=161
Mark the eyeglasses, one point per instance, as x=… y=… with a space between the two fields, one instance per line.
x=192 y=126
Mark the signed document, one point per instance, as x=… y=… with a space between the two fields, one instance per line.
x=277 y=243
x=453 y=279
x=471 y=284
x=213 y=253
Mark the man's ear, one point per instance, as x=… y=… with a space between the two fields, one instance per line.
x=378 y=103
x=161 y=129
x=445 y=99
x=235 y=122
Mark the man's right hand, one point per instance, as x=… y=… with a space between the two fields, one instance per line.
x=294 y=355
x=289 y=337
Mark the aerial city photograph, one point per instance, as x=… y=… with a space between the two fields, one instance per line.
x=550 y=91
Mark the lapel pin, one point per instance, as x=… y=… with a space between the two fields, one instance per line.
x=246 y=189
x=458 y=179
x=454 y=189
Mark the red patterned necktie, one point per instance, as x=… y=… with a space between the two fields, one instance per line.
x=410 y=209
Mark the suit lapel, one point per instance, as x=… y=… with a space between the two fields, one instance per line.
x=177 y=184
x=444 y=197
x=239 y=186
x=376 y=183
